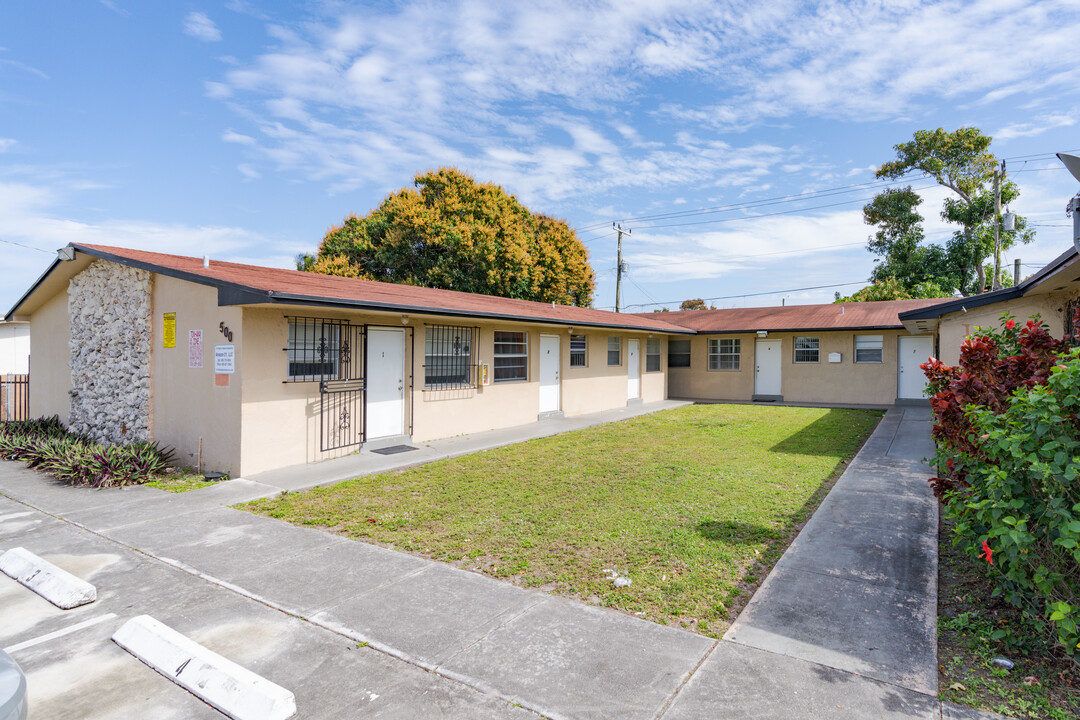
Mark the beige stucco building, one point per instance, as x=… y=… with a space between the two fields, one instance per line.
x=244 y=369
x=1052 y=294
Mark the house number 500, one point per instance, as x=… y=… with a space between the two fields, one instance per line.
x=225 y=331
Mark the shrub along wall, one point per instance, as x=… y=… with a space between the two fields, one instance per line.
x=1008 y=433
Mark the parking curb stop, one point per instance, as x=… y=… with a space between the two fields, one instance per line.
x=218 y=681
x=58 y=586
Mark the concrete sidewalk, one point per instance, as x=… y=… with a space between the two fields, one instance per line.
x=843 y=627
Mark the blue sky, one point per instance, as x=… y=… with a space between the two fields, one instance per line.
x=244 y=129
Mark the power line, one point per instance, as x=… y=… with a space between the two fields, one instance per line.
x=771 y=292
x=28 y=247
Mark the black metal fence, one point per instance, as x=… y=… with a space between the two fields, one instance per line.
x=449 y=357
x=14 y=397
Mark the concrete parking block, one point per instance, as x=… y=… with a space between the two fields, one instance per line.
x=56 y=585
x=887 y=634
x=566 y=660
x=309 y=582
x=428 y=616
x=220 y=682
x=743 y=683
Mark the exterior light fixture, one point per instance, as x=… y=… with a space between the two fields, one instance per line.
x=763 y=333
x=66 y=254
x=404 y=319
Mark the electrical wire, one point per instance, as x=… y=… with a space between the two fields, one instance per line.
x=758 y=294
x=28 y=247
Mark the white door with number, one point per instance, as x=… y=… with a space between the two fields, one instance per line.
x=549 y=373
x=633 y=369
x=767 y=367
x=385 y=382
x=914 y=351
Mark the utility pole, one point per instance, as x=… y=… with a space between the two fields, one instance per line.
x=998 y=174
x=620 y=268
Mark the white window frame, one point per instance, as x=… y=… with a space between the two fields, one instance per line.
x=579 y=354
x=617 y=350
x=869 y=344
x=807 y=344
x=721 y=349
x=652 y=355
x=496 y=355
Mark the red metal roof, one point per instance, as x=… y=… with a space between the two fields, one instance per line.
x=834 y=316
x=316 y=289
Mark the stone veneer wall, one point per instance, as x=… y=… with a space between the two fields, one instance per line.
x=111 y=326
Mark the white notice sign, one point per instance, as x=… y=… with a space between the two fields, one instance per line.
x=224 y=359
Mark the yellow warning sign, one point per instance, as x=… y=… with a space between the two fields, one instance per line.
x=169 y=334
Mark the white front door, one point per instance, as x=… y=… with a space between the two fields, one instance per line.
x=385 y=382
x=633 y=369
x=914 y=350
x=549 y=373
x=767 y=367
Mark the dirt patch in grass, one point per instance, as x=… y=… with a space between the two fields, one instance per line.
x=179 y=481
x=694 y=504
x=1045 y=683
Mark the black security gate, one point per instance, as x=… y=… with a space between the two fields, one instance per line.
x=342 y=386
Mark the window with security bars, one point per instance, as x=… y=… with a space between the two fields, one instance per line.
x=869 y=348
x=614 y=350
x=678 y=353
x=313 y=350
x=578 y=354
x=725 y=353
x=652 y=355
x=511 y=356
x=448 y=357
x=807 y=349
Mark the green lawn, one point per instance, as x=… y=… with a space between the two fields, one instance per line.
x=696 y=503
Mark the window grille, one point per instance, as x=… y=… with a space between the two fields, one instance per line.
x=578 y=354
x=614 y=350
x=869 y=348
x=314 y=349
x=511 y=356
x=678 y=353
x=652 y=355
x=725 y=353
x=449 y=353
x=806 y=349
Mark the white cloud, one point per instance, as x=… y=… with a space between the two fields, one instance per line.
x=7 y=143
x=1041 y=125
x=198 y=25
x=248 y=172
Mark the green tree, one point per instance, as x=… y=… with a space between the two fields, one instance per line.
x=960 y=161
x=695 y=304
x=891 y=288
x=449 y=231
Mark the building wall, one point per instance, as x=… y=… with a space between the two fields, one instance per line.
x=14 y=348
x=953 y=328
x=50 y=358
x=193 y=404
x=846 y=382
x=281 y=419
x=109 y=315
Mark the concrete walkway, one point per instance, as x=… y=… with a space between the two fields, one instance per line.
x=844 y=626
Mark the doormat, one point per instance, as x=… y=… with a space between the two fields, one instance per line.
x=393 y=449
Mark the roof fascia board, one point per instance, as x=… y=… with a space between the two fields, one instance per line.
x=11 y=313
x=793 y=330
x=974 y=301
x=292 y=299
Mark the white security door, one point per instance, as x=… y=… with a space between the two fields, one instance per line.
x=549 y=373
x=913 y=351
x=633 y=369
x=767 y=367
x=385 y=382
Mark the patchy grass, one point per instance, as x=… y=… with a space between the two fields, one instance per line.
x=1044 y=684
x=696 y=503
x=179 y=481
